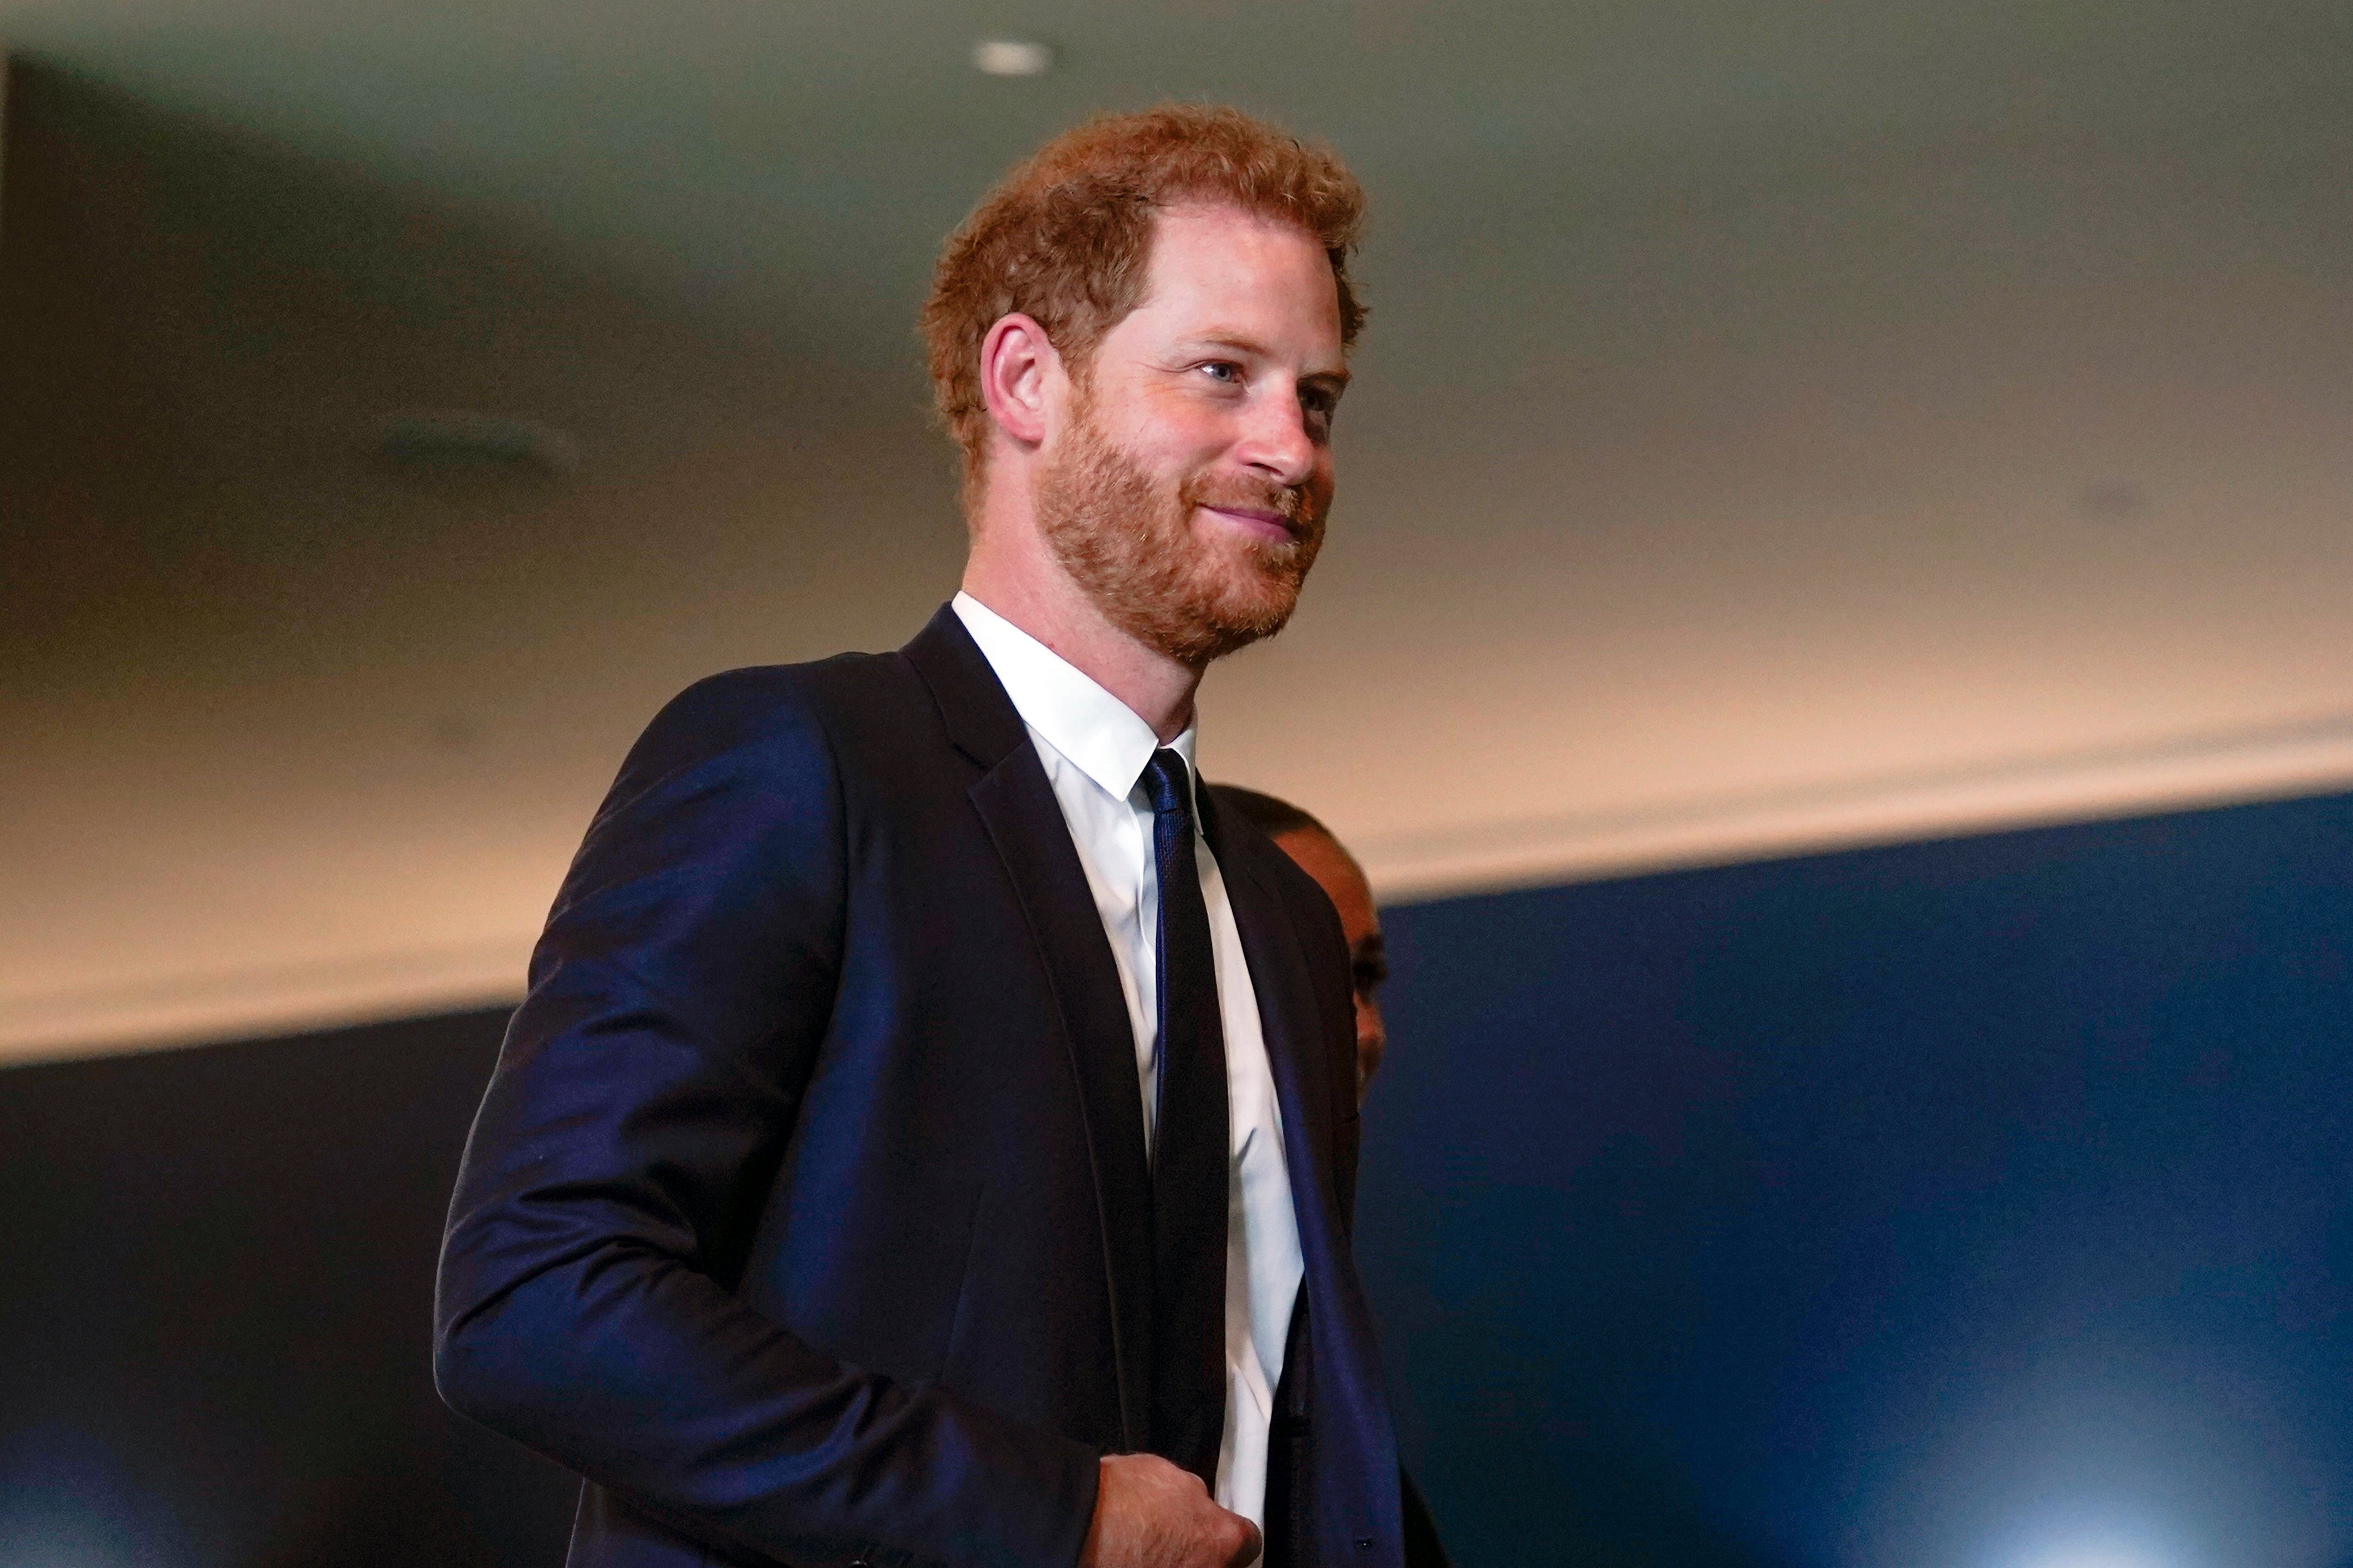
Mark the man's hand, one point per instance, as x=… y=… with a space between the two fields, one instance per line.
x=1151 y=1514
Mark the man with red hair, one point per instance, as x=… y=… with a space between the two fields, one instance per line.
x=929 y=1136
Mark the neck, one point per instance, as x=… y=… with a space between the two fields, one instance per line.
x=1011 y=571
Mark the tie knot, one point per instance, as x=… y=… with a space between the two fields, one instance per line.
x=1169 y=783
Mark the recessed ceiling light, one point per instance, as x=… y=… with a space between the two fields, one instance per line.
x=1012 y=57
x=456 y=439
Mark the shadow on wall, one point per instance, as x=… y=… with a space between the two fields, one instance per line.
x=215 y=346
x=234 y=374
x=352 y=535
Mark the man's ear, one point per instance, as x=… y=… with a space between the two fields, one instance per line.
x=1017 y=364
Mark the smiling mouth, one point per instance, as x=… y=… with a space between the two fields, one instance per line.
x=1264 y=525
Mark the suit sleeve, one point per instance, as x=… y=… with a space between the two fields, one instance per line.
x=623 y=1151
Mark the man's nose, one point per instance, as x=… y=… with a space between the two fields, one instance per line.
x=1277 y=441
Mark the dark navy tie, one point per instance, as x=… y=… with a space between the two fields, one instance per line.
x=1189 y=1148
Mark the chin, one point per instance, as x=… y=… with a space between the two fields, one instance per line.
x=1249 y=612
x=1204 y=625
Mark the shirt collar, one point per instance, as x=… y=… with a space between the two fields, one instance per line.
x=1101 y=736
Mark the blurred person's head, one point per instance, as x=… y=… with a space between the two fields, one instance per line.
x=1322 y=856
x=1138 y=339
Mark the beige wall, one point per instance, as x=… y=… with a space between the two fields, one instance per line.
x=1696 y=505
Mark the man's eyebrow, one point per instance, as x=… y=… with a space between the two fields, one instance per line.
x=1242 y=343
x=1226 y=338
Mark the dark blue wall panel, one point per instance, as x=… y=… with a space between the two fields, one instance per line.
x=1984 y=1203
x=216 y=1313
x=1980 y=1205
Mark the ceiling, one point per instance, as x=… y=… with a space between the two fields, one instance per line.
x=760 y=151
x=1778 y=428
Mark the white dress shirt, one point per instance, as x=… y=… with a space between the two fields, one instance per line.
x=1095 y=748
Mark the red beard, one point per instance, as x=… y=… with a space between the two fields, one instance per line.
x=1131 y=544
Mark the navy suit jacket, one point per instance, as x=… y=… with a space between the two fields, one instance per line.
x=806 y=1214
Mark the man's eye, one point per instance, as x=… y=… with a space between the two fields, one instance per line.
x=1224 y=370
x=1320 y=405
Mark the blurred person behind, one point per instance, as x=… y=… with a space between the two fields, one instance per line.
x=1317 y=851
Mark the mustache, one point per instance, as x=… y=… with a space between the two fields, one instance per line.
x=1294 y=504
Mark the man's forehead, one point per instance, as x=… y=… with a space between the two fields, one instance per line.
x=1218 y=273
x=1210 y=209
x=1201 y=233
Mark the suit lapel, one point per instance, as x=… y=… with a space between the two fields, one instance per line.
x=1346 y=1509
x=1025 y=822
x=1295 y=1046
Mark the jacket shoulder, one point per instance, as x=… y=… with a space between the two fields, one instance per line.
x=782 y=708
x=738 y=705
